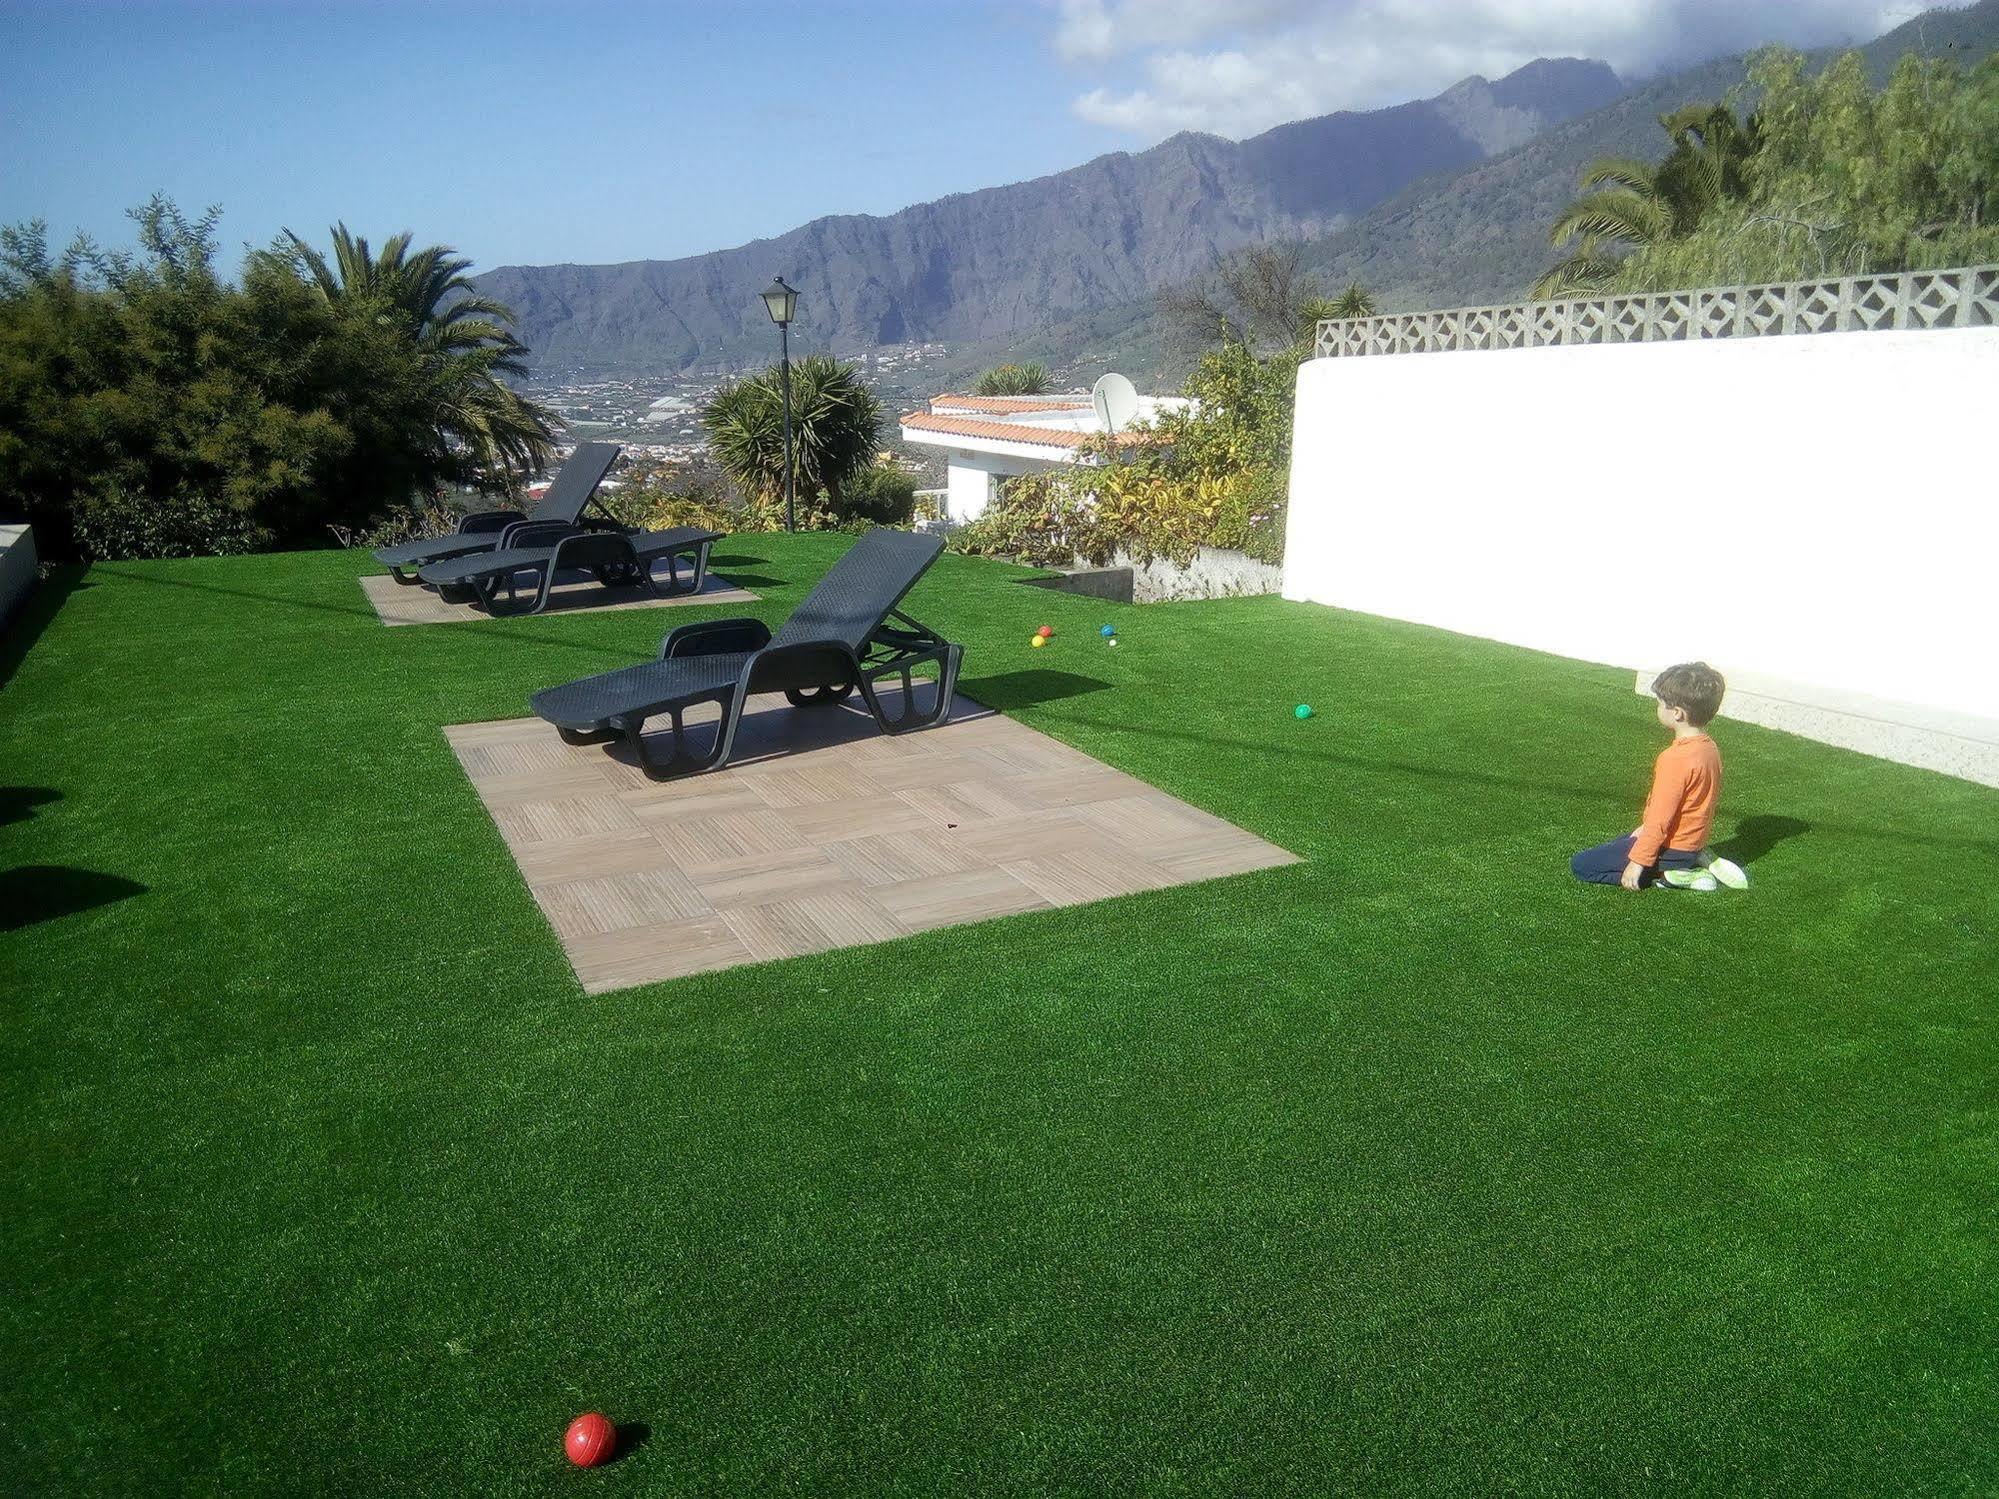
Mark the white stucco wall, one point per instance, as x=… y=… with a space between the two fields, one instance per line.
x=1817 y=513
x=968 y=479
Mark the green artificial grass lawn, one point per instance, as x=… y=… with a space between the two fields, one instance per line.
x=1415 y=1166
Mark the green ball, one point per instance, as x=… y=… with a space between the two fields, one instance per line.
x=1303 y=710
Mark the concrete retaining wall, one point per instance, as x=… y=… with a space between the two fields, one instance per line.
x=1213 y=574
x=18 y=568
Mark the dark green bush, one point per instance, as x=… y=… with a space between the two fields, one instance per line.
x=113 y=522
x=274 y=415
x=879 y=495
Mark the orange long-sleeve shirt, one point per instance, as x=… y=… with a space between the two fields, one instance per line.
x=1686 y=788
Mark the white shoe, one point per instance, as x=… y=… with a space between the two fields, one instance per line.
x=1689 y=879
x=1728 y=872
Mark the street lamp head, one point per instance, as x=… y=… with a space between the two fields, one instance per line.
x=780 y=301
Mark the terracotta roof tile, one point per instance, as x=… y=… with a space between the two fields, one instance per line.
x=1011 y=404
x=972 y=426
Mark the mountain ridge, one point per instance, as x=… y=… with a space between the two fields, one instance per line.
x=997 y=261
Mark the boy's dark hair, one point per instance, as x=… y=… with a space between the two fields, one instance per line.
x=1694 y=687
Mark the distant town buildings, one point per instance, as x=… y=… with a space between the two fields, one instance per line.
x=658 y=417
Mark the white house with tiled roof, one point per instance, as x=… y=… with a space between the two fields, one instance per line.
x=989 y=438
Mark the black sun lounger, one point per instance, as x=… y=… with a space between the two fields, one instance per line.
x=574 y=487
x=542 y=549
x=846 y=633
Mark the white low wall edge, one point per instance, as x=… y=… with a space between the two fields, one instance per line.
x=1929 y=738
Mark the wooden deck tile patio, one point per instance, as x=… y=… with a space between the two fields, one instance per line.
x=824 y=833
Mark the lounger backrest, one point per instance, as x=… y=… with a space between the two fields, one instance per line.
x=860 y=590
x=575 y=482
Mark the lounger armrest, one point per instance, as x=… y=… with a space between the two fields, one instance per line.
x=487 y=520
x=535 y=533
x=715 y=637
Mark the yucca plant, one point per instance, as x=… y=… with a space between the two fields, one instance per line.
x=835 y=420
x=1013 y=380
x=1355 y=301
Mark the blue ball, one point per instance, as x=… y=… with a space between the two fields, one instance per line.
x=1107 y=631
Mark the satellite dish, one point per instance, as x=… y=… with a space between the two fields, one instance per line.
x=1116 y=400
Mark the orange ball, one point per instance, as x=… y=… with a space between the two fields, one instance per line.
x=590 y=1441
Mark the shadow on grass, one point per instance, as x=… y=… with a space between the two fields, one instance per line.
x=18 y=803
x=42 y=892
x=1756 y=836
x=19 y=634
x=1019 y=689
x=366 y=611
x=738 y=559
x=749 y=580
x=632 y=1435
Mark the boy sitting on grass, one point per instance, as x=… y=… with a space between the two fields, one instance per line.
x=1670 y=846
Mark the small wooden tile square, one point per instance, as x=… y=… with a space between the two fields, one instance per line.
x=770 y=878
x=703 y=845
x=618 y=902
x=952 y=899
x=645 y=955
x=889 y=858
x=815 y=923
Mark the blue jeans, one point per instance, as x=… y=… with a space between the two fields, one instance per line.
x=1604 y=864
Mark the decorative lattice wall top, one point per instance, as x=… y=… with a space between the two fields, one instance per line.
x=1967 y=297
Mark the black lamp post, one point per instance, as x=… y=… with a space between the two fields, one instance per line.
x=781 y=302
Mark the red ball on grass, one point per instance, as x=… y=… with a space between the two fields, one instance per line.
x=591 y=1440
x=1045 y=631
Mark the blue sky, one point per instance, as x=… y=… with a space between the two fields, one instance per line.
x=601 y=130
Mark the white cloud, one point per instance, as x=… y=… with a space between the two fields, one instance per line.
x=1236 y=67
x=1095 y=29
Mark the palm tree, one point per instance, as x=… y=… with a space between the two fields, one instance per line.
x=834 y=422
x=465 y=341
x=1641 y=204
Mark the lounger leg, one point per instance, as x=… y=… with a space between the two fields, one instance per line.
x=588 y=736
x=674 y=587
x=411 y=581
x=547 y=588
x=947 y=658
x=672 y=578
x=678 y=762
